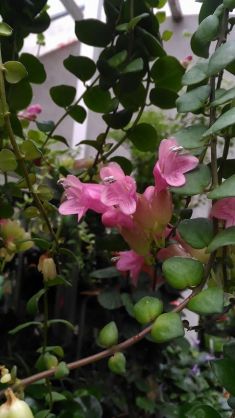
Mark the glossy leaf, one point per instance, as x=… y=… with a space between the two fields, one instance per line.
x=224 y=370
x=222 y=239
x=191 y=138
x=224 y=121
x=124 y=163
x=93 y=32
x=32 y=304
x=144 y=137
x=226 y=97
x=205 y=33
x=208 y=8
x=222 y=57
x=35 y=69
x=20 y=95
x=197 y=232
x=163 y=98
x=63 y=95
x=45 y=126
x=226 y=189
x=202 y=411
x=196 y=182
x=135 y=20
x=5 y=29
x=99 y=100
x=182 y=272
x=7 y=160
x=207 y=302
x=61 y=370
x=167 y=327
x=30 y=150
x=147 y=309
x=82 y=67
x=196 y=74
x=14 y=71
x=167 y=73
x=119 y=119
x=134 y=66
x=193 y=100
x=117 y=363
x=108 y=336
x=78 y=113
x=151 y=43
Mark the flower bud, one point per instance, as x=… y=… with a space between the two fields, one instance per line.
x=6 y=378
x=108 y=336
x=117 y=363
x=147 y=309
x=47 y=267
x=14 y=408
x=167 y=327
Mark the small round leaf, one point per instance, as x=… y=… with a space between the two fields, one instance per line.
x=14 y=71
x=63 y=95
x=82 y=67
x=182 y=272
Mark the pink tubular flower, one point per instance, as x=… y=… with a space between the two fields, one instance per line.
x=132 y=262
x=31 y=112
x=119 y=190
x=172 y=164
x=224 y=209
x=80 y=197
x=186 y=61
x=113 y=217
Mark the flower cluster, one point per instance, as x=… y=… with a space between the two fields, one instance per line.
x=142 y=219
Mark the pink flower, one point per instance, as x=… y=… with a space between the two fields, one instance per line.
x=80 y=197
x=113 y=217
x=172 y=164
x=186 y=61
x=119 y=190
x=31 y=112
x=224 y=209
x=132 y=262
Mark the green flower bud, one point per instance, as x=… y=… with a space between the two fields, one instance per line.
x=46 y=361
x=117 y=363
x=108 y=336
x=14 y=408
x=167 y=327
x=147 y=309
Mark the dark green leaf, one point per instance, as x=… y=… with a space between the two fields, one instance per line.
x=131 y=100
x=163 y=98
x=32 y=305
x=6 y=209
x=82 y=67
x=14 y=71
x=63 y=95
x=93 y=32
x=124 y=163
x=226 y=97
x=222 y=57
x=193 y=100
x=229 y=349
x=20 y=95
x=144 y=137
x=5 y=29
x=45 y=126
x=134 y=66
x=110 y=299
x=225 y=372
x=224 y=121
x=26 y=325
x=106 y=273
x=196 y=232
x=222 y=239
x=119 y=119
x=135 y=20
x=42 y=243
x=202 y=411
x=62 y=322
x=167 y=73
x=191 y=138
x=196 y=182
x=208 y=8
x=151 y=43
x=99 y=100
x=226 y=189
x=205 y=33
x=7 y=160
x=35 y=69
x=78 y=113
x=196 y=74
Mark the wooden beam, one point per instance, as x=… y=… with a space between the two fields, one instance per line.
x=176 y=11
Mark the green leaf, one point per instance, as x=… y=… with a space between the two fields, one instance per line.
x=42 y=243
x=196 y=74
x=7 y=160
x=151 y=43
x=106 y=273
x=229 y=350
x=224 y=370
x=93 y=32
x=205 y=33
x=61 y=321
x=57 y=350
x=35 y=69
x=135 y=20
x=222 y=239
x=226 y=97
x=44 y=414
x=116 y=60
x=26 y=325
x=99 y=100
x=58 y=281
x=167 y=73
x=108 y=336
x=32 y=304
x=202 y=411
x=82 y=67
x=163 y=98
x=207 y=302
x=161 y=16
x=6 y=209
x=167 y=35
x=134 y=66
x=131 y=100
x=147 y=309
x=20 y=95
x=5 y=29
x=208 y=8
x=146 y=404
x=63 y=95
x=54 y=397
x=167 y=327
x=182 y=273
x=30 y=150
x=229 y=4
x=144 y=137
x=45 y=126
x=110 y=299
x=119 y=119
x=61 y=370
x=191 y=138
x=196 y=232
x=224 y=121
x=22 y=184
x=196 y=182
x=193 y=100
x=117 y=363
x=14 y=71
x=124 y=163
x=222 y=57
x=78 y=113
x=226 y=189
